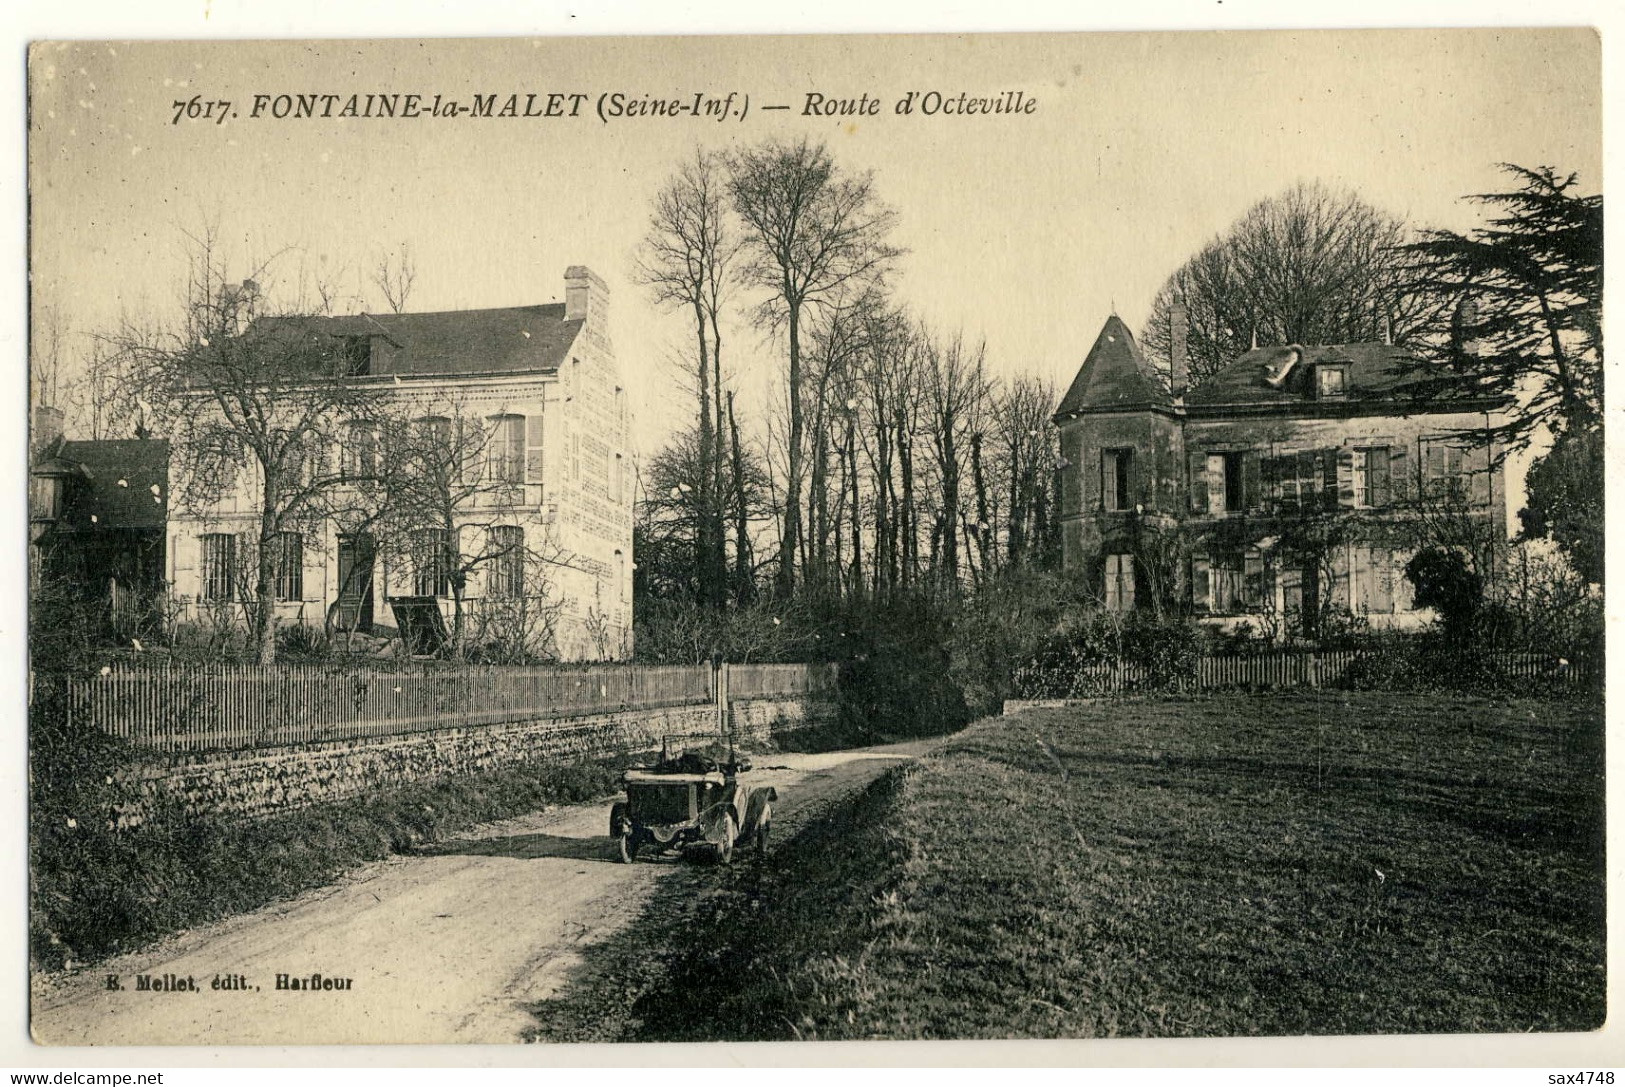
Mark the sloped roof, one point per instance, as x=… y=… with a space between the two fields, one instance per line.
x=1114 y=376
x=124 y=483
x=1375 y=371
x=512 y=339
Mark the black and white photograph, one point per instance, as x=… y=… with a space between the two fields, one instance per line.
x=814 y=538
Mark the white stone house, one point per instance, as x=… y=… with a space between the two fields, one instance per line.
x=548 y=494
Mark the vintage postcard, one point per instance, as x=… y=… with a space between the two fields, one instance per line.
x=1065 y=536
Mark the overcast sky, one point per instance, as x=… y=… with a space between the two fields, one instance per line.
x=1026 y=230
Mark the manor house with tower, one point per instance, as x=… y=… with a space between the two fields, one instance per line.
x=1288 y=486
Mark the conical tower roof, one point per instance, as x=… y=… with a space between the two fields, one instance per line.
x=1114 y=376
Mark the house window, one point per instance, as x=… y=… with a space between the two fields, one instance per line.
x=620 y=573
x=435 y=431
x=1302 y=480
x=1371 y=477
x=219 y=565
x=361 y=451
x=1374 y=580
x=1226 y=483
x=1236 y=582
x=619 y=494
x=431 y=562
x=1331 y=382
x=1453 y=468
x=1116 y=475
x=506 y=577
x=289 y=563
x=358 y=355
x=1119 y=582
x=505 y=455
x=293 y=460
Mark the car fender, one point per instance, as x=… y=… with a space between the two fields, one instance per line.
x=712 y=818
x=758 y=810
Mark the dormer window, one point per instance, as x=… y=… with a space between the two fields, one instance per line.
x=1331 y=382
x=46 y=497
x=357 y=356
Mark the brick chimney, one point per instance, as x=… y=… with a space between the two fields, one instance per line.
x=1178 y=348
x=47 y=427
x=586 y=297
x=1466 y=323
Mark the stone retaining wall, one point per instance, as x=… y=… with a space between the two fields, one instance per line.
x=274 y=780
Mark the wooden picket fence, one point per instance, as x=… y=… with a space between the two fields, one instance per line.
x=747 y=681
x=1318 y=668
x=191 y=709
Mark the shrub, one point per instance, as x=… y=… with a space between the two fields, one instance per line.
x=1002 y=627
x=1081 y=657
x=301 y=643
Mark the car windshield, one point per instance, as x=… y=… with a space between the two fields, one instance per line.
x=695 y=754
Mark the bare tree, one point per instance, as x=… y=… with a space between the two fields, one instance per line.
x=1311 y=265
x=102 y=396
x=394 y=275
x=47 y=356
x=685 y=261
x=954 y=387
x=1024 y=443
x=242 y=385
x=454 y=508
x=810 y=235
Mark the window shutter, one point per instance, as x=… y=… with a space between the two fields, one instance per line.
x=1217 y=485
x=1198 y=482
x=1345 y=477
x=1327 y=459
x=185 y=562
x=1306 y=484
x=1199 y=583
x=1376 y=476
x=1252 y=579
x=1251 y=484
x=1436 y=475
x=1362 y=581
x=1398 y=479
x=471 y=442
x=1107 y=489
x=1382 y=585
x=1340 y=562
x=1477 y=463
x=326 y=459
x=533 y=448
x=1269 y=471
x=1126 y=566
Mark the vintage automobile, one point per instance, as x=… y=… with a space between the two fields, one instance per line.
x=693 y=799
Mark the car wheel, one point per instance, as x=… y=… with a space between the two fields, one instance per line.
x=761 y=840
x=725 y=848
x=629 y=847
x=617 y=820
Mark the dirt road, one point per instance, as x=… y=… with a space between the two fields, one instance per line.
x=447 y=945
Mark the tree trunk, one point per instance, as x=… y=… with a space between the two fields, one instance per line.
x=983 y=525
x=265 y=575
x=857 y=507
x=719 y=511
x=705 y=540
x=950 y=507
x=907 y=522
x=744 y=582
x=790 y=537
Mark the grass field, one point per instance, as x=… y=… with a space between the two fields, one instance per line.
x=1303 y=863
